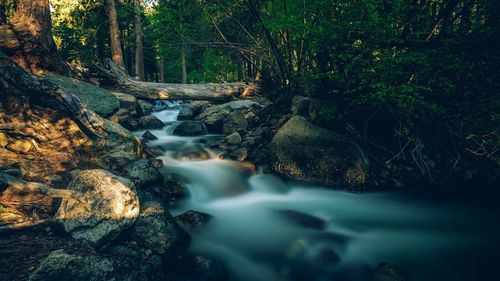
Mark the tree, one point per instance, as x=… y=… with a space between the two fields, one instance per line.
x=139 y=46
x=114 y=33
x=28 y=36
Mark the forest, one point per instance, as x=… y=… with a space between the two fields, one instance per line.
x=249 y=140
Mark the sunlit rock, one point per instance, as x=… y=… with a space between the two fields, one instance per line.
x=306 y=152
x=4 y=141
x=107 y=207
x=22 y=146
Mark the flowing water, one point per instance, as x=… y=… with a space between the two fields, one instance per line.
x=266 y=229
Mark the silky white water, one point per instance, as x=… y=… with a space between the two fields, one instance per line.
x=266 y=229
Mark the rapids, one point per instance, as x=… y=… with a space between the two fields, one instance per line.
x=266 y=229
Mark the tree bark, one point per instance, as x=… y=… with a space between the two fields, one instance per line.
x=27 y=37
x=139 y=51
x=183 y=62
x=114 y=32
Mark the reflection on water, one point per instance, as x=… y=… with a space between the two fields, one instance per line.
x=266 y=229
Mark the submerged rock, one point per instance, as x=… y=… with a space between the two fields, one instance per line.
x=190 y=128
x=150 y=122
x=200 y=268
x=385 y=272
x=192 y=220
x=149 y=136
x=156 y=229
x=107 y=206
x=309 y=153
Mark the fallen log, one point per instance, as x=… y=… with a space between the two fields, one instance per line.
x=165 y=91
x=13 y=185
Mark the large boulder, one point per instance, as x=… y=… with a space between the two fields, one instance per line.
x=150 y=122
x=62 y=266
x=107 y=205
x=156 y=230
x=101 y=101
x=309 y=153
x=190 y=128
x=185 y=112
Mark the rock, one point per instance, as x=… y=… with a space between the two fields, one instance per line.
x=201 y=268
x=123 y=118
x=306 y=152
x=118 y=149
x=156 y=230
x=62 y=266
x=144 y=107
x=235 y=122
x=107 y=206
x=144 y=172
x=150 y=122
x=385 y=272
x=127 y=101
x=323 y=112
x=185 y=113
x=190 y=128
x=215 y=116
x=101 y=101
x=234 y=138
x=20 y=146
x=300 y=106
x=198 y=106
x=149 y=136
x=4 y=141
x=192 y=220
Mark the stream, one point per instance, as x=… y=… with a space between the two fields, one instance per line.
x=264 y=228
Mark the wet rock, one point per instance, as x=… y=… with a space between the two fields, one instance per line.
x=190 y=128
x=144 y=107
x=157 y=230
x=185 y=113
x=235 y=122
x=144 y=172
x=127 y=101
x=21 y=146
x=4 y=141
x=101 y=101
x=198 y=106
x=384 y=272
x=192 y=220
x=234 y=138
x=150 y=122
x=62 y=266
x=201 y=268
x=107 y=206
x=149 y=136
x=306 y=152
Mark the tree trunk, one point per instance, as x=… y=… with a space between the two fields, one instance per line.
x=183 y=62
x=162 y=91
x=139 y=52
x=114 y=31
x=27 y=37
x=163 y=73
